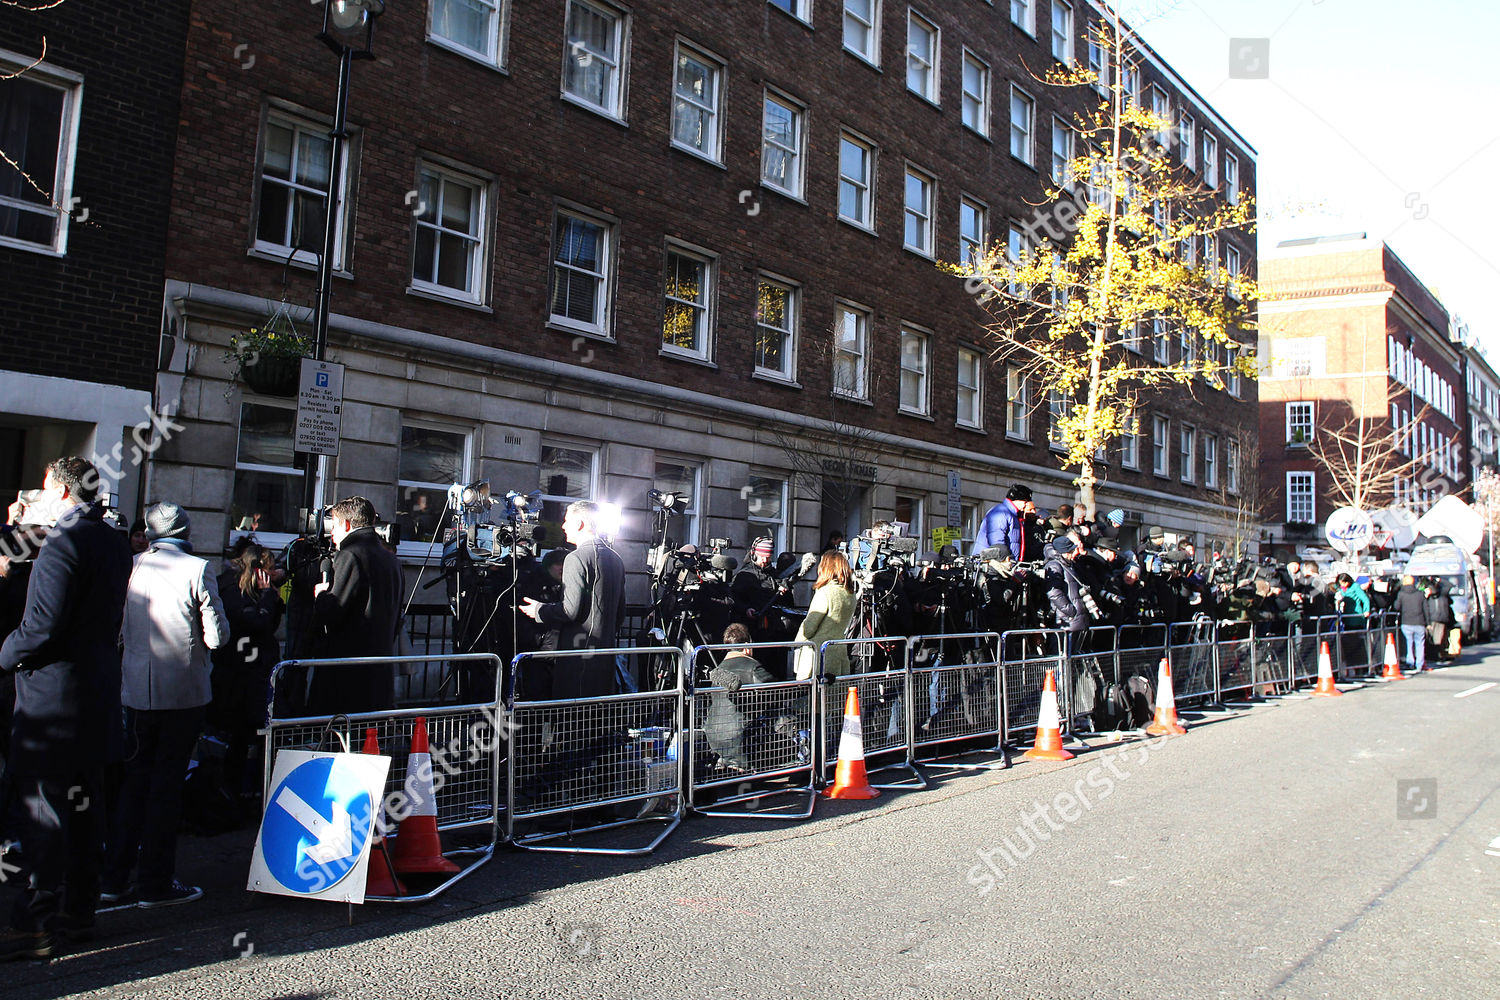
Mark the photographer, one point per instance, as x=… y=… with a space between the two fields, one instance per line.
x=1005 y=524
x=356 y=613
x=724 y=724
x=754 y=586
x=1063 y=589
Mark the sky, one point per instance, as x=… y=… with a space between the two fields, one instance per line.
x=1374 y=116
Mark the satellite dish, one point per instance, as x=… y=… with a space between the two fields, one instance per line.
x=1453 y=518
x=1400 y=522
x=1349 y=529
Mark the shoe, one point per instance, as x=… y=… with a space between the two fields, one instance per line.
x=170 y=896
x=74 y=926
x=25 y=944
x=114 y=898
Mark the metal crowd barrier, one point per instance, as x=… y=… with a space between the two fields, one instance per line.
x=463 y=738
x=1190 y=652
x=1302 y=651
x=612 y=761
x=1093 y=648
x=1025 y=657
x=885 y=706
x=959 y=695
x=1139 y=651
x=1234 y=644
x=745 y=737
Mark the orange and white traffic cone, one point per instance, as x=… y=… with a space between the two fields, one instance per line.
x=1049 y=745
x=418 y=850
x=849 y=778
x=1392 y=662
x=1165 y=723
x=1325 y=688
x=379 y=879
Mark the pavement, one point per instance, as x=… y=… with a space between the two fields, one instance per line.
x=1295 y=848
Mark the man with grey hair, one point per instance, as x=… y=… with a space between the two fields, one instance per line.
x=173 y=617
x=591 y=609
x=1411 y=605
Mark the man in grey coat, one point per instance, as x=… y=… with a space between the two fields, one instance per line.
x=173 y=617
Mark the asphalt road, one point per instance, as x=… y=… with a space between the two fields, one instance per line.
x=1299 y=848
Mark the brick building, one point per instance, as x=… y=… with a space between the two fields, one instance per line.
x=592 y=248
x=91 y=124
x=1350 y=332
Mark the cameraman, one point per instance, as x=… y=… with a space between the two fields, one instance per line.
x=356 y=614
x=754 y=587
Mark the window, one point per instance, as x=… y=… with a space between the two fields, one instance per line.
x=1062 y=153
x=776 y=329
x=921 y=56
x=592 y=63
x=1160 y=446
x=1098 y=60
x=973 y=230
x=856 y=181
x=566 y=474
x=1232 y=470
x=1210 y=160
x=1299 y=498
x=976 y=109
x=908 y=511
x=1187 y=348
x=1057 y=408
x=1299 y=423
x=432 y=459
x=1210 y=461
x=681 y=478
x=970 y=389
x=1188 y=446
x=781 y=146
x=449 y=248
x=267 y=483
x=296 y=160
x=695 y=103
x=1023 y=15
x=1022 y=110
x=1062 y=31
x=767 y=509
x=38 y=131
x=1161 y=344
x=797 y=8
x=862 y=29
x=1186 y=131
x=1232 y=272
x=685 y=320
x=916 y=351
x=1017 y=248
x=1231 y=178
x=1132 y=337
x=1130 y=444
x=919 y=201
x=1017 y=406
x=1161 y=109
x=1131 y=80
x=849 y=350
x=473 y=27
x=582 y=258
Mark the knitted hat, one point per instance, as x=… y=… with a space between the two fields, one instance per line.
x=1115 y=517
x=166 y=520
x=1063 y=544
x=762 y=547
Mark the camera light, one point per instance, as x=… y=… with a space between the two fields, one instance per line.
x=608 y=520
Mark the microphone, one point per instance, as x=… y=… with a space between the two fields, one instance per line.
x=809 y=561
x=723 y=563
x=325 y=571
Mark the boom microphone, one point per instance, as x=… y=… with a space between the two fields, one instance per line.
x=723 y=563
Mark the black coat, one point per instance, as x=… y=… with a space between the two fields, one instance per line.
x=588 y=617
x=1062 y=592
x=65 y=653
x=1411 y=604
x=357 y=617
x=242 y=668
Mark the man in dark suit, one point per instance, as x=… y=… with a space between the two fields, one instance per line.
x=356 y=614
x=66 y=663
x=591 y=609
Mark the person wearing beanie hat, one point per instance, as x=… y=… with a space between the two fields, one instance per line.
x=754 y=589
x=1004 y=524
x=1063 y=586
x=173 y=618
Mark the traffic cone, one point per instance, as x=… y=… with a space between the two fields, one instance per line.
x=1165 y=723
x=1325 y=688
x=379 y=879
x=849 y=778
x=1049 y=744
x=1392 y=662
x=418 y=850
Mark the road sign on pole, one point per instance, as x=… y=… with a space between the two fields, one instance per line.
x=314 y=839
x=955 y=500
x=320 y=403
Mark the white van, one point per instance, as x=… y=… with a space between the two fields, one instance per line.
x=1451 y=563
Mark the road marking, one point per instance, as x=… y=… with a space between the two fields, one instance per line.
x=1494 y=849
x=1477 y=689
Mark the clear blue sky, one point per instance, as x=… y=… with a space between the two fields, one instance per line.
x=1378 y=116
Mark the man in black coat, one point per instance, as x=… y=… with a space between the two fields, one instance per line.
x=66 y=662
x=356 y=614
x=1411 y=605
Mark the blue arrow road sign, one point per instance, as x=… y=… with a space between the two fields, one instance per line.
x=316 y=825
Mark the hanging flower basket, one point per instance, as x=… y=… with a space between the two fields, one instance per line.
x=268 y=358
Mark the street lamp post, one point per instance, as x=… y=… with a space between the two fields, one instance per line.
x=349 y=30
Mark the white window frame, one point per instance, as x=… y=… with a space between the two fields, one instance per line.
x=788 y=371
x=1161 y=446
x=711 y=109
x=1161 y=342
x=1130 y=445
x=497 y=31
x=1231 y=178
x=604 y=278
x=273 y=539
x=1211 y=461
x=799 y=9
x=691 y=514
x=977 y=120
x=795 y=177
x=1062 y=159
x=974 y=239
x=1232 y=466
x=1210 y=159
x=1187 y=139
x=1023 y=15
x=1161 y=107
x=1057 y=408
x=922 y=214
x=286 y=119
x=864 y=187
x=1017 y=406
x=1023 y=134
x=1233 y=271
x=917 y=520
x=761 y=525
x=862 y=318
x=418 y=548
x=1300 y=414
x=919 y=373
x=1187 y=445
x=1098 y=56
x=575 y=51
x=872 y=26
x=702 y=307
x=970 y=381
x=590 y=490
x=62 y=205
x=1063 y=52
x=1017 y=244
x=927 y=63
x=1301 y=490
x=478 y=241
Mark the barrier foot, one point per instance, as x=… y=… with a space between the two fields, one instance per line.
x=484 y=855
x=916 y=782
x=539 y=841
x=756 y=813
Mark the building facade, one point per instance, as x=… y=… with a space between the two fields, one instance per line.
x=592 y=249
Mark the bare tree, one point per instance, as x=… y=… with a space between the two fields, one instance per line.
x=1240 y=497
x=1363 y=458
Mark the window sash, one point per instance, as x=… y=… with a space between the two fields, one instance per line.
x=1022 y=112
x=447 y=246
x=851 y=338
x=1300 y=505
x=976 y=98
x=915 y=351
x=775 y=328
x=1018 y=406
x=855 y=186
x=781 y=146
x=969 y=388
x=695 y=102
x=1062 y=31
x=474 y=26
x=1160 y=446
x=687 y=294
x=580 y=263
x=861 y=29
x=766 y=492
x=972 y=230
x=591 y=68
x=1062 y=153
x=1021 y=15
x=921 y=56
x=918 y=212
